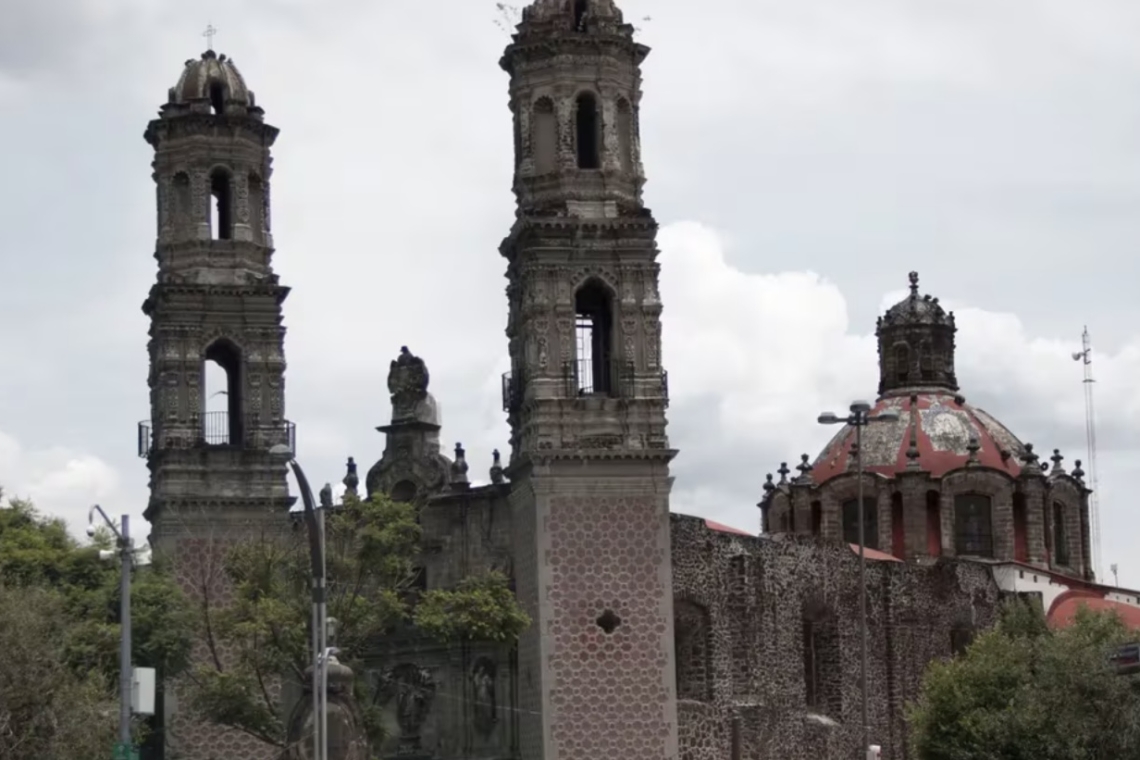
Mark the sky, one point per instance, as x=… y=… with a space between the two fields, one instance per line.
x=802 y=158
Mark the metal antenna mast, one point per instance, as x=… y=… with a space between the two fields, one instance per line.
x=1085 y=357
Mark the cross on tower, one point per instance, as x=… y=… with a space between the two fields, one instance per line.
x=209 y=35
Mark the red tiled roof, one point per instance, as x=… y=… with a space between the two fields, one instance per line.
x=875 y=554
x=945 y=425
x=1065 y=607
x=721 y=528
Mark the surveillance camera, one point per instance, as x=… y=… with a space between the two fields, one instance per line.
x=91 y=531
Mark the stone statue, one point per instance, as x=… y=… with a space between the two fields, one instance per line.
x=413 y=688
x=408 y=383
x=483 y=689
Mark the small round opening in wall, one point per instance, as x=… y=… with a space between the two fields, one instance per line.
x=608 y=621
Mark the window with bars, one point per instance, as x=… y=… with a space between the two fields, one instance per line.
x=973 y=525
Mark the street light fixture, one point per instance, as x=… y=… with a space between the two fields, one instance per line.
x=860 y=416
x=315 y=524
x=125 y=550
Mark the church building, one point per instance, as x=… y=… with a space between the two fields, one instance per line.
x=655 y=636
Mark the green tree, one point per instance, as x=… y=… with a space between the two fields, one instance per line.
x=59 y=632
x=372 y=589
x=1024 y=691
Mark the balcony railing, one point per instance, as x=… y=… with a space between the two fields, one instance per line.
x=614 y=379
x=217 y=430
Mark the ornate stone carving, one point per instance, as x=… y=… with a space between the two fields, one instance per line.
x=652 y=342
x=194 y=393
x=542 y=331
x=265 y=203
x=564 y=107
x=564 y=287
x=408 y=383
x=566 y=339
x=165 y=206
x=200 y=199
x=483 y=694
x=651 y=296
x=629 y=344
x=610 y=158
x=413 y=689
x=240 y=184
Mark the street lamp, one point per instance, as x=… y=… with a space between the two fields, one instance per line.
x=125 y=550
x=315 y=524
x=859 y=418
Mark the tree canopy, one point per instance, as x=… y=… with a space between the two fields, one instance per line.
x=59 y=632
x=1024 y=691
x=372 y=588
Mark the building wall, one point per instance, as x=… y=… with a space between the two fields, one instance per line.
x=755 y=593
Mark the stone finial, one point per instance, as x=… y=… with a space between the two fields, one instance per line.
x=913 y=277
x=326 y=496
x=783 y=472
x=769 y=486
x=1077 y=473
x=496 y=467
x=972 y=448
x=1057 y=459
x=459 y=468
x=805 y=468
x=1030 y=459
x=351 y=479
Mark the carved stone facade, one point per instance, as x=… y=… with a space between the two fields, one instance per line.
x=214 y=478
x=655 y=637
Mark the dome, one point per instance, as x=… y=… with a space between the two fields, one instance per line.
x=916 y=309
x=212 y=78
x=935 y=433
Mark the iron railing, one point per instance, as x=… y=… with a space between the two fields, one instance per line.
x=217 y=430
x=614 y=379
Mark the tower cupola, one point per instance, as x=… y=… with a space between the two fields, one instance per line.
x=916 y=345
x=211 y=84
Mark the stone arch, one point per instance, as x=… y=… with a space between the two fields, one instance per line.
x=594 y=324
x=222 y=428
x=218 y=94
x=901 y=358
x=692 y=639
x=222 y=209
x=588 y=130
x=544 y=135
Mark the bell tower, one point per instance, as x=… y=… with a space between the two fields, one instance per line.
x=586 y=396
x=216 y=302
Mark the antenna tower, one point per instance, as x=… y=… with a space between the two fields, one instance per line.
x=1085 y=357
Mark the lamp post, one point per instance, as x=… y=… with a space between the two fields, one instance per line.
x=126 y=555
x=859 y=418
x=315 y=525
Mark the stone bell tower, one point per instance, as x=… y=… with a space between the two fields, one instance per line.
x=216 y=300
x=586 y=396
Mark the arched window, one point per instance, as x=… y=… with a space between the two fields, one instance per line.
x=933 y=524
x=544 y=128
x=823 y=678
x=898 y=529
x=218 y=97
x=256 y=208
x=403 y=491
x=625 y=135
x=222 y=423
x=594 y=330
x=692 y=642
x=926 y=360
x=580 y=7
x=973 y=525
x=816 y=518
x=1047 y=522
x=1060 y=535
x=902 y=362
x=587 y=132
x=870 y=522
x=222 y=209
x=1020 y=529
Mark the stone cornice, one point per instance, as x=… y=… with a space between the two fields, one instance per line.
x=208 y=125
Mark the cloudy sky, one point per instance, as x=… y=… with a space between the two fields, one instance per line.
x=802 y=156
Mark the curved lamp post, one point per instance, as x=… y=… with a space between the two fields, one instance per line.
x=315 y=525
x=860 y=416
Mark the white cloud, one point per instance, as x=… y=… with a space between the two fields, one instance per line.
x=754 y=357
x=62 y=482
